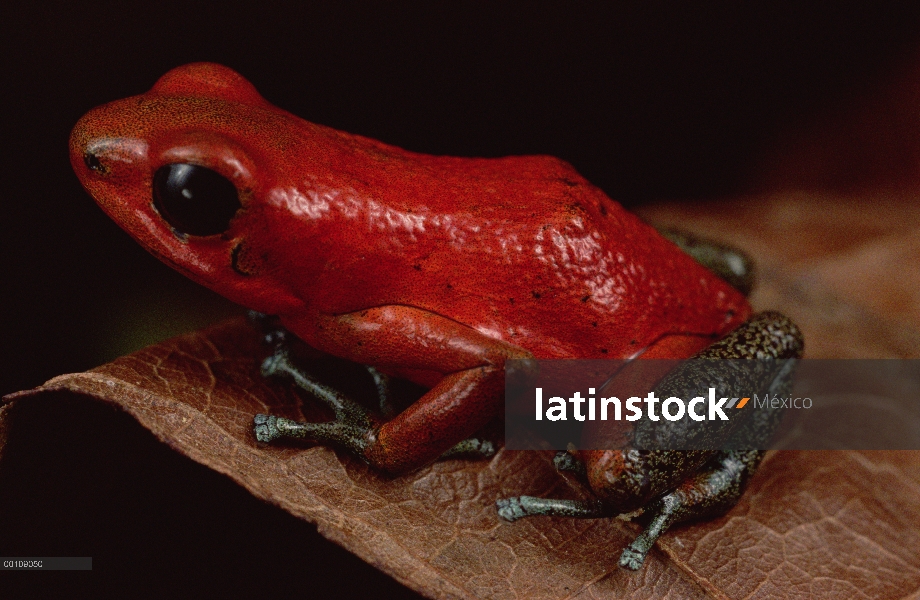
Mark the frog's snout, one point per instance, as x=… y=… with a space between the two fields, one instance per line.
x=113 y=171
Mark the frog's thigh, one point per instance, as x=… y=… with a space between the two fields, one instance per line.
x=468 y=395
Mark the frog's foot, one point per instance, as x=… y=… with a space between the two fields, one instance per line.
x=471 y=448
x=566 y=461
x=273 y=333
x=265 y=427
x=517 y=507
x=708 y=494
x=353 y=426
x=268 y=428
x=666 y=511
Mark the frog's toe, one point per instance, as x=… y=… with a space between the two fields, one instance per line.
x=473 y=448
x=632 y=559
x=275 y=363
x=486 y=449
x=566 y=461
x=510 y=509
x=265 y=428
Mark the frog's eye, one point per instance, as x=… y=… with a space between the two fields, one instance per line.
x=194 y=199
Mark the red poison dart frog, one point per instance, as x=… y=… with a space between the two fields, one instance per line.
x=430 y=268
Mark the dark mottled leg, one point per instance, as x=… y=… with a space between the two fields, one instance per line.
x=517 y=507
x=708 y=494
x=719 y=483
x=277 y=337
x=727 y=262
x=353 y=425
x=352 y=428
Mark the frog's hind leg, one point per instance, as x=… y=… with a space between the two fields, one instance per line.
x=729 y=263
x=710 y=493
x=707 y=494
x=720 y=482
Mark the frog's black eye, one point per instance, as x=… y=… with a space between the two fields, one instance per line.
x=194 y=199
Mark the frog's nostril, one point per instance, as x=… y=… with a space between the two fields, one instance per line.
x=92 y=162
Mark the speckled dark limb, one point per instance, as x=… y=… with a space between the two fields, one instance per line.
x=727 y=262
x=277 y=337
x=517 y=507
x=721 y=481
x=353 y=426
x=710 y=493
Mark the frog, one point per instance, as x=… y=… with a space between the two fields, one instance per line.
x=432 y=269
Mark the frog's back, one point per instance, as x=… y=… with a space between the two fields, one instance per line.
x=526 y=250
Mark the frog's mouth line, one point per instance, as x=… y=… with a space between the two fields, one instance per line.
x=172 y=263
x=107 y=207
x=165 y=256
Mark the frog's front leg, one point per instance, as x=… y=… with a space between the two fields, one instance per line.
x=278 y=338
x=722 y=475
x=346 y=429
x=351 y=418
x=465 y=367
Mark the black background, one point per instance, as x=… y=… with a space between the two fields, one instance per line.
x=653 y=102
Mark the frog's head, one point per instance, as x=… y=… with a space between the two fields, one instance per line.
x=179 y=169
